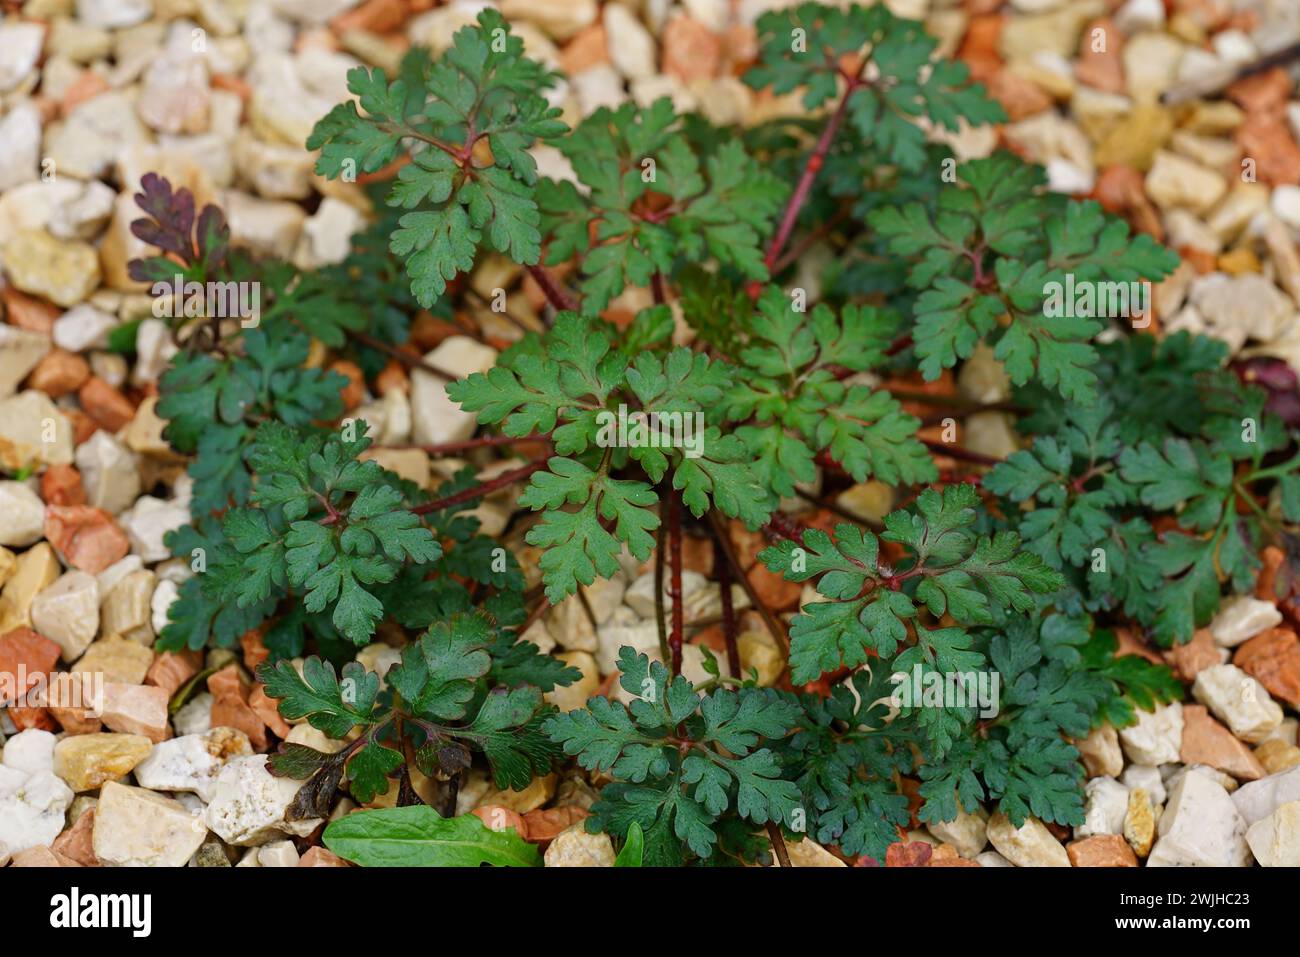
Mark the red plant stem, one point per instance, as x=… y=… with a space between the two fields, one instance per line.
x=675 y=581
x=774 y=624
x=538 y=610
x=482 y=442
x=899 y=344
x=803 y=188
x=408 y=360
x=556 y=295
x=960 y=454
x=778 y=844
x=723 y=570
x=808 y=241
x=657 y=288
x=660 y=626
x=478 y=491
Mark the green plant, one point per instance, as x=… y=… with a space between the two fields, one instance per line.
x=1012 y=575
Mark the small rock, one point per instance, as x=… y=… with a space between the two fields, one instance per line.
x=1156 y=737
x=20 y=131
x=633 y=49
x=136 y=827
x=20 y=351
x=575 y=847
x=67 y=612
x=1241 y=618
x=174 y=94
x=967 y=832
x=147 y=521
x=1258 y=799
x=1176 y=182
x=248 y=804
x=267 y=227
x=1101 y=850
x=1105 y=806
x=434 y=417
x=58 y=374
x=211 y=854
x=870 y=501
x=691 y=51
x=1273 y=659
x=990 y=433
x=1200 y=827
x=1146 y=777
x=1188 y=660
x=1101 y=753
x=277 y=854
x=83 y=327
x=327 y=234
x=1205 y=741
x=1030 y=845
x=108 y=472
x=192 y=762
x=20 y=48
x=33 y=431
x=78 y=842
x=1238 y=700
x=86 y=537
x=195 y=716
x=154 y=348
x=34 y=570
x=1275 y=840
x=1277 y=756
x=126 y=610
x=86 y=761
x=561 y=19
x=22 y=514
x=1151 y=62
x=32 y=808
x=114 y=14
x=136 y=709
x=539 y=791
x=63 y=271
x=30 y=751
x=320 y=857
x=575 y=695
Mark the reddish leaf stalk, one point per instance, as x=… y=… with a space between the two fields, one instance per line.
x=961 y=454
x=803 y=189
x=482 y=442
x=770 y=619
x=778 y=844
x=675 y=581
x=478 y=491
x=408 y=360
x=556 y=295
x=723 y=570
x=660 y=624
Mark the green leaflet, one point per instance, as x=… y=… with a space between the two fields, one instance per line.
x=419 y=837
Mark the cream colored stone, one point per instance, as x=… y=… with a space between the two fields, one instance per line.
x=575 y=847
x=35 y=569
x=1030 y=845
x=67 y=613
x=135 y=827
x=1238 y=700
